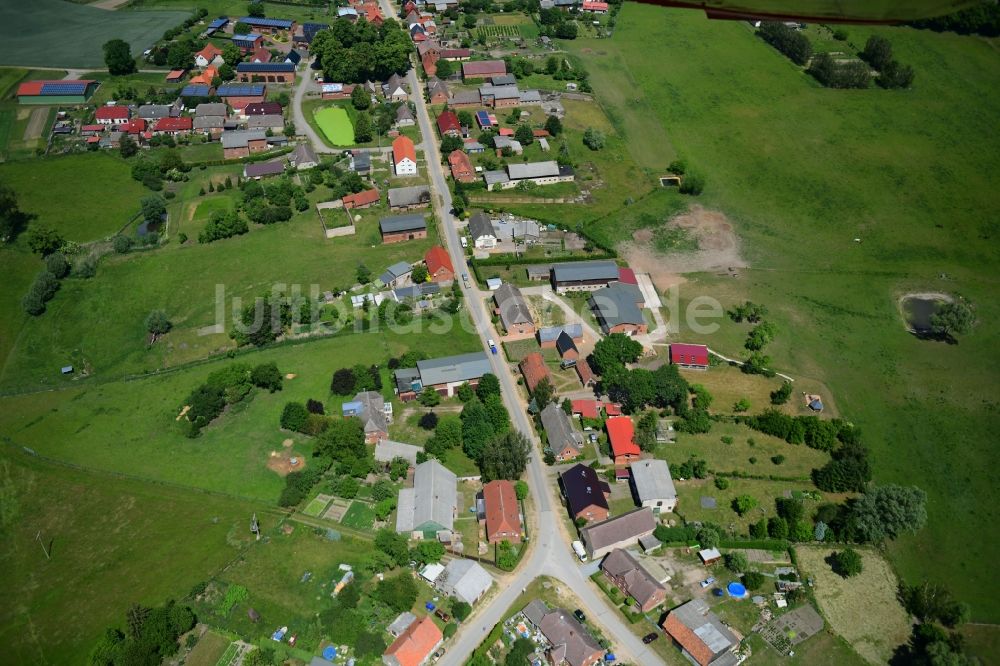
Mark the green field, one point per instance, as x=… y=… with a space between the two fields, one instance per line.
x=359 y=515
x=315 y=507
x=73 y=34
x=112 y=542
x=336 y=125
x=801 y=171
x=132 y=426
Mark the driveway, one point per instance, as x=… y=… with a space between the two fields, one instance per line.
x=302 y=126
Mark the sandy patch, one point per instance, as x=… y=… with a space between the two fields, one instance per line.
x=284 y=462
x=183 y=413
x=290 y=375
x=287 y=443
x=718 y=248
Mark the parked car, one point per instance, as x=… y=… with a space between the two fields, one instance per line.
x=650 y=637
x=437 y=655
x=578 y=614
x=493 y=345
x=708 y=581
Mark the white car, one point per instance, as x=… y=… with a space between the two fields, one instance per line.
x=708 y=581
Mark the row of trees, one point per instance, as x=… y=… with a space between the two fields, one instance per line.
x=878 y=54
x=150 y=636
x=786 y=39
x=224 y=387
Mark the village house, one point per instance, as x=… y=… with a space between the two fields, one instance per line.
x=240 y=95
x=112 y=114
x=564 y=441
x=594 y=7
x=153 y=112
x=362 y=199
x=404 y=117
x=243 y=143
x=481 y=231
x=621 y=435
x=515 y=315
x=456 y=55
x=210 y=55
x=415 y=645
x=652 y=485
x=569 y=642
x=394 y=89
x=443 y=375
x=464 y=99
x=703 y=638
x=373 y=411
x=462 y=170
x=263 y=109
x=258 y=170
x=210 y=118
x=439 y=267
x=404 y=156
x=692 y=357
x=437 y=91
x=617 y=308
x=303 y=157
x=586 y=494
x=465 y=580
x=501 y=515
x=620 y=532
x=448 y=124
x=275 y=123
x=534 y=370
x=398 y=228
x=173 y=126
x=429 y=507
x=548 y=335
x=265 y=72
x=397 y=275
x=633 y=580
x=409 y=198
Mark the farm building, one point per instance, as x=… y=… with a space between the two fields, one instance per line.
x=617 y=309
x=269 y=72
x=260 y=170
x=548 y=336
x=271 y=26
x=701 y=635
x=689 y=356
x=583 y=275
x=243 y=143
x=534 y=370
x=619 y=532
x=430 y=505
x=653 y=486
x=400 y=228
x=409 y=198
x=247 y=43
x=361 y=199
x=462 y=170
x=483 y=69
x=443 y=375
x=263 y=109
x=448 y=124
x=111 y=115
x=74 y=91
x=241 y=95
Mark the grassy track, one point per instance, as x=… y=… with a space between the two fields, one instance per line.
x=131 y=426
x=802 y=171
x=74 y=34
x=113 y=542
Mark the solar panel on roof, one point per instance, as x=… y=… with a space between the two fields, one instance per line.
x=195 y=91
x=218 y=23
x=268 y=22
x=241 y=90
x=483 y=118
x=68 y=88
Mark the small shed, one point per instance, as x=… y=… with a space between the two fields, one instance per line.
x=67 y=370
x=709 y=555
x=493 y=283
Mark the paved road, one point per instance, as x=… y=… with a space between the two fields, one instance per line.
x=550 y=553
x=302 y=126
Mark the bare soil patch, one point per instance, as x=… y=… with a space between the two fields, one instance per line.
x=183 y=413
x=863 y=609
x=36 y=124
x=290 y=375
x=284 y=462
x=288 y=443
x=718 y=248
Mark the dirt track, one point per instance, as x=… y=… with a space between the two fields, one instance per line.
x=36 y=124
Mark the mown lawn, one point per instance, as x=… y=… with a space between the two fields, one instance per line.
x=802 y=171
x=132 y=426
x=112 y=542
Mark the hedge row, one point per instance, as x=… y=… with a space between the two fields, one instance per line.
x=760 y=544
x=259 y=157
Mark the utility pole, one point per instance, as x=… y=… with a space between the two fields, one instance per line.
x=38 y=538
x=255 y=526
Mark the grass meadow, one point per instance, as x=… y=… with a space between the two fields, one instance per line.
x=112 y=542
x=802 y=171
x=74 y=34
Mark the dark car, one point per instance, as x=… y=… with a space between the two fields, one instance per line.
x=444 y=616
x=649 y=638
x=579 y=615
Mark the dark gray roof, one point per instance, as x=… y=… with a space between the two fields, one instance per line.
x=505 y=80
x=209 y=122
x=210 y=109
x=493 y=177
x=616 y=304
x=372 y=411
x=564 y=343
x=451 y=369
x=257 y=169
x=570 y=640
x=362 y=161
x=531 y=97
x=585 y=270
x=240 y=139
x=480 y=226
x=398 y=223
x=409 y=196
x=631 y=525
x=513 y=308
x=303 y=154
x=535 y=611
x=559 y=429
x=640 y=584
x=547 y=169
x=553 y=332
x=265 y=122
x=404 y=378
x=500 y=92
x=155 y=111
x=404 y=113
x=583 y=488
x=396 y=271
x=652 y=480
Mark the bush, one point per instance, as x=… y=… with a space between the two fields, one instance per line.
x=429 y=421
x=721 y=482
x=267 y=376
x=57 y=265
x=736 y=561
x=450 y=629
x=594 y=138
x=781 y=395
x=693 y=184
x=86 y=268
x=846 y=563
x=315 y=407
x=121 y=244
x=294 y=416
x=460 y=610
x=753 y=580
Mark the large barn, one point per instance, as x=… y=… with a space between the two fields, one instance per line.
x=74 y=91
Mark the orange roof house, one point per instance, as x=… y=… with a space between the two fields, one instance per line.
x=414 y=645
x=207 y=55
x=361 y=199
x=534 y=370
x=461 y=167
x=404 y=156
x=621 y=434
x=439 y=266
x=502 y=515
x=702 y=636
x=588 y=409
x=206 y=76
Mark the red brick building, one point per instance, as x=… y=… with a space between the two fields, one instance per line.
x=501 y=513
x=534 y=370
x=621 y=434
x=439 y=266
x=461 y=167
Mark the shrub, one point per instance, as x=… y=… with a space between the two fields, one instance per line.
x=846 y=563
x=753 y=580
x=693 y=184
x=57 y=265
x=315 y=407
x=121 y=244
x=267 y=376
x=86 y=268
x=294 y=416
x=778 y=459
x=429 y=421
x=781 y=395
x=343 y=381
x=721 y=483
x=450 y=629
x=736 y=561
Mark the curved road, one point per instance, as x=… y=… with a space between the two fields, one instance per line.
x=550 y=553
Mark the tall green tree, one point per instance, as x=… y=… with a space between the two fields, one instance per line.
x=505 y=457
x=614 y=350
x=118 y=57
x=886 y=512
x=955 y=317
x=363 y=128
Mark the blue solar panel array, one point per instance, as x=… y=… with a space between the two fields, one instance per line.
x=265 y=67
x=309 y=30
x=241 y=90
x=246 y=38
x=218 y=23
x=195 y=91
x=267 y=22
x=484 y=118
x=68 y=88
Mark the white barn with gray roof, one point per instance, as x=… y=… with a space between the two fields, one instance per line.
x=465 y=580
x=653 y=486
x=430 y=505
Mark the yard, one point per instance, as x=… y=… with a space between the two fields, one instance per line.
x=102 y=532
x=799 y=198
x=863 y=609
x=360 y=516
x=336 y=125
x=690 y=494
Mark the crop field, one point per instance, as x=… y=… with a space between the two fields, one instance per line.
x=103 y=533
x=799 y=196
x=336 y=125
x=359 y=515
x=74 y=34
x=498 y=31
x=132 y=426
x=864 y=608
x=209 y=650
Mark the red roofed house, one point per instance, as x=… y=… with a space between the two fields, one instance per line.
x=260 y=54
x=534 y=370
x=429 y=61
x=461 y=167
x=439 y=266
x=372 y=13
x=595 y=7
x=588 y=409
x=210 y=55
x=612 y=409
x=448 y=124
x=361 y=199
x=483 y=69
x=627 y=275
x=621 y=435
x=456 y=55
x=415 y=645
x=584 y=372
x=135 y=126
x=91 y=130
x=112 y=115
x=701 y=635
x=689 y=356
x=179 y=125
x=175 y=75
x=404 y=156
x=501 y=513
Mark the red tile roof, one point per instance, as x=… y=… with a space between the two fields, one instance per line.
x=173 y=124
x=484 y=68
x=621 y=432
x=206 y=77
x=92 y=128
x=175 y=75
x=688 y=639
x=111 y=112
x=135 y=126
x=448 y=121
x=209 y=52
x=430 y=63
x=593 y=6
x=589 y=409
x=93 y=139
x=534 y=370
x=612 y=409
x=416 y=643
x=627 y=275
x=539 y=133
x=402 y=147
x=260 y=54
x=461 y=166
x=683 y=354
x=362 y=198
x=502 y=513
x=436 y=259
x=505 y=131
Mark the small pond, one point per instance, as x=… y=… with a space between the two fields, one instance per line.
x=918 y=310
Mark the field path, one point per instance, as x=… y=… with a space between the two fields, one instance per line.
x=110 y=5
x=36 y=124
